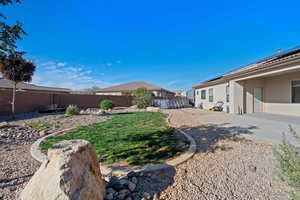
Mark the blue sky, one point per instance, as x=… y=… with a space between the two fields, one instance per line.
x=174 y=44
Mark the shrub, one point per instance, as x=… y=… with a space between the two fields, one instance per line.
x=72 y=110
x=142 y=98
x=39 y=125
x=288 y=156
x=106 y=104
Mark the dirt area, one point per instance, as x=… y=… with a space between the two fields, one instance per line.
x=16 y=164
x=226 y=166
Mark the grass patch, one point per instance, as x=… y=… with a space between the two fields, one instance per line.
x=136 y=138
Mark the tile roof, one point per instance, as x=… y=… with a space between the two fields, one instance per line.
x=26 y=86
x=261 y=64
x=131 y=86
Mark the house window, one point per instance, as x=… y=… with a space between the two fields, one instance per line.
x=210 y=94
x=197 y=92
x=296 y=91
x=203 y=94
x=227 y=93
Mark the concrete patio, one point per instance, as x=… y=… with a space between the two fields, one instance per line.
x=268 y=127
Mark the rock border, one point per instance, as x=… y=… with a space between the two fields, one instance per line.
x=37 y=154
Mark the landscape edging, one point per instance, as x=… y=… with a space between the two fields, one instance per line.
x=38 y=155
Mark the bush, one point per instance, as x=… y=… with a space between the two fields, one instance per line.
x=106 y=104
x=39 y=125
x=288 y=156
x=72 y=110
x=143 y=98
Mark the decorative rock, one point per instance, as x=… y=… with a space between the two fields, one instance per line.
x=42 y=133
x=72 y=172
x=155 y=197
x=131 y=186
x=134 y=180
x=109 y=197
x=147 y=195
x=133 y=107
x=124 y=182
x=110 y=191
x=123 y=193
x=115 y=183
x=4 y=125
x=152 y=109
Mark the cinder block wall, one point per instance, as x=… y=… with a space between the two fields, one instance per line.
x=34 y=101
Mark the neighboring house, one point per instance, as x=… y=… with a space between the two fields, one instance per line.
x=180 y=93
x=128 y=88
x=8 y=85
x=271 y=85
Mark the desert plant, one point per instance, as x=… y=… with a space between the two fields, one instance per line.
x=106 y=104
x=16 y=69
x=142 y=98
x=288 y=156
x=72 y=110
x=39 y=125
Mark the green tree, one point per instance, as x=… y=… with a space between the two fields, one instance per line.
x=142 y=97
x=9 y=34
x=16 y=69
x=288 y=156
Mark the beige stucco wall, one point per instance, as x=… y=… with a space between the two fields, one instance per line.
x=219 y=92
x=248 y=95
x=278 y=94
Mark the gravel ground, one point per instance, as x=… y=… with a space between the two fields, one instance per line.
x=226 y=166
x=16 y=164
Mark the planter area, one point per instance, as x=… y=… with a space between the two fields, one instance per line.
x=127 y=140
x=155 y=147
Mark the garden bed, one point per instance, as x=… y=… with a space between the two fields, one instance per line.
x=129 y=139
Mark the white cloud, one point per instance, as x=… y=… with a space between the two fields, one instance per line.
x=61 y=74
x=61 y=64
x=108 y=64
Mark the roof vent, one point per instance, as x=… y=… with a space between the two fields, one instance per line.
x=279 y=50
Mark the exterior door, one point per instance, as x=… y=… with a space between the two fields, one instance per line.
x=257 y=100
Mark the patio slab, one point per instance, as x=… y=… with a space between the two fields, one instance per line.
x=268 y=127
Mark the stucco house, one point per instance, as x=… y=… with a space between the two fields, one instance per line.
x=271 y=85
x=128 y=88
x=8 y=85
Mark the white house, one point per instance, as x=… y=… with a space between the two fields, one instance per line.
x=271 y=85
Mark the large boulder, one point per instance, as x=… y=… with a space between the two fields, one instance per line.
x=71 y=172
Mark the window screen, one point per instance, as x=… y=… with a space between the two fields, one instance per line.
x=211 y=95
x=203 y=94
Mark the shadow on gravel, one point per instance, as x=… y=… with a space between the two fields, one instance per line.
x=207 y=136
x=14 y=181
x=148 y=185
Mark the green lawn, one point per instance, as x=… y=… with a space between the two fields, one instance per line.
x=134 y=138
